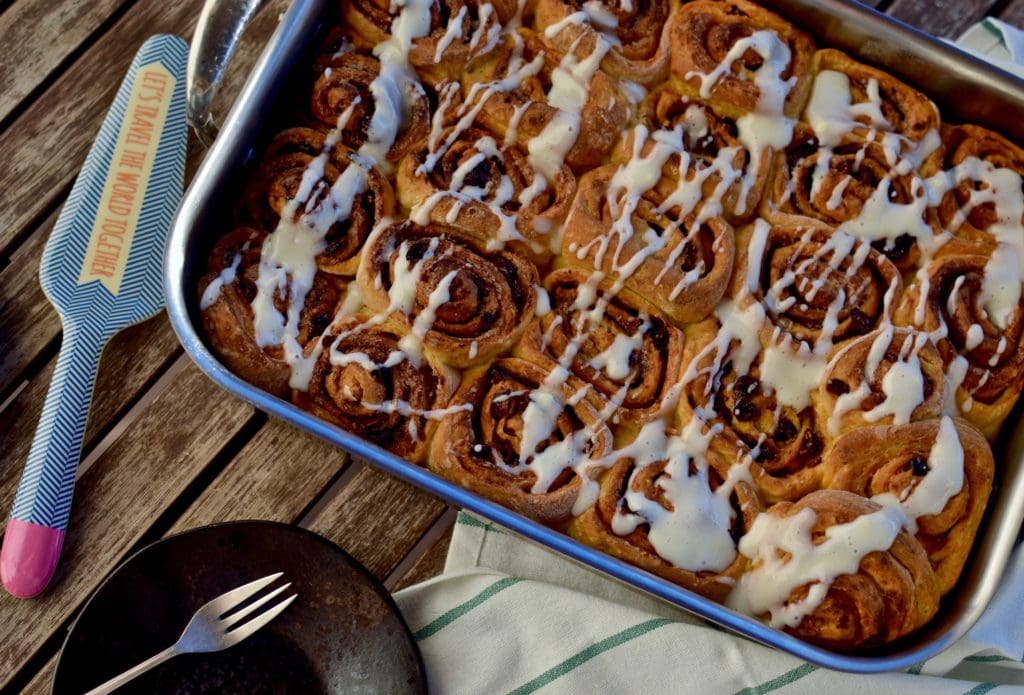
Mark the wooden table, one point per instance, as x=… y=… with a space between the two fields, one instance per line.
x=166 y=449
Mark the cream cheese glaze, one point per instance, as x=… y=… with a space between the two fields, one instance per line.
x=692 y=524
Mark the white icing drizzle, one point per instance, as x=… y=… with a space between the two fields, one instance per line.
x=944 y=480
x=903 y=383
x=767 y=125
x=452 y=32
x=570 y=87
x=693 y=534
x=786 y=558
x=225 y=277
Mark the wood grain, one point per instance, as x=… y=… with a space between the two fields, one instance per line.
x=46 y=33
x=118 y=500
x=430 y=564
x=1014 y=13
x=274 y=477
x=129 y=365
x=45 y=146
x=377 y=519
x=27 y=321
x=948 y=18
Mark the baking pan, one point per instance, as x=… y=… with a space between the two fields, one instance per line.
x=966 y=89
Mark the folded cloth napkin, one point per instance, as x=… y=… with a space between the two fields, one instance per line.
x=507 y=616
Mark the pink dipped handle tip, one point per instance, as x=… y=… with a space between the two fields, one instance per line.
x=29 y=557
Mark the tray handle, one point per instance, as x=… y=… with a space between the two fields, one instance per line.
x=218 y=32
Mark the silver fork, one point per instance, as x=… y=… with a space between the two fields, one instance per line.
x=210 y=631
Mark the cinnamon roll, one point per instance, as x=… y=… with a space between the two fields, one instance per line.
x=740 y=57
x=758 y=419
x=283 y=185
x=629 y=355
x=706 y=168
x=637 y=32
x=577 y=126
x=983 y=171
x=983 y=349
x=680 y=267
x=836 y=570
x=856 y=103
x=487 y=188
x=226 y=296
x=814 y=285
x=833 y=185
x=673 y=517
x=343 y=98
x=460 y=302
x=890 y=376
x=521 y=442
x=356 y=385
x=459 y=30
x=938 y=472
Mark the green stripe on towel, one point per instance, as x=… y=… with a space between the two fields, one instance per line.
x=450 y=616
x=981 y=689
x=580 y=658
x=776 y=683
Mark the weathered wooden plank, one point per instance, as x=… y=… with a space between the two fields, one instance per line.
x=378 y=519
x=430 y=564
x=44 y=147
x=45 y=33
x=132 y=361
x=274 y=477
x=1014 y=13
x=40 y=684
x=947 y=18
x=27 y=321
x=118 y=499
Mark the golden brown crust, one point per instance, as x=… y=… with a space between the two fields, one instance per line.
x=802 y=271
x=684 y=278
x=703 y=33
x=962 y=143
x=595 y=527
x=396 y=407
x=640 y=50
x=490 y=296
x=893 y=593
x=894 y=459
x=863 y=394
x=486 y=180
x=991 y=357
x=904 y=110
x=342 y=95
x=476 y=448
x=280 y=178
x=728 y=174
x=782 y=445
x=647 y=379
x=603 y=116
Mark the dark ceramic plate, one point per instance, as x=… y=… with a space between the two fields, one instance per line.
x=342 y=635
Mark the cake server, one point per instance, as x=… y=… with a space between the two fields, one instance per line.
x=102 y=270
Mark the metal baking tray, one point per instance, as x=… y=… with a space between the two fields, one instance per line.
x=965 y=88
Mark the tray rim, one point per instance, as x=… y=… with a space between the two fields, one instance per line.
x=233 y=145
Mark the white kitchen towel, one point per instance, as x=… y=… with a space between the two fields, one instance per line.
x=507 y=616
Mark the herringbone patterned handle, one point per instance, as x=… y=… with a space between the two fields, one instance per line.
x=44 y=495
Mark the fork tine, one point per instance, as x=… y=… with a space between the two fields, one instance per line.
x=226 y=601
x=235 y=618
x=237 y=635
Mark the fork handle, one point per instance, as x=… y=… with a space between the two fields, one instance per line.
x=35 y=531
x=134 y=672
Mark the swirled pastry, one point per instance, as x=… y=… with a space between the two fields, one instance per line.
x=640 y=271
x=937 y=472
